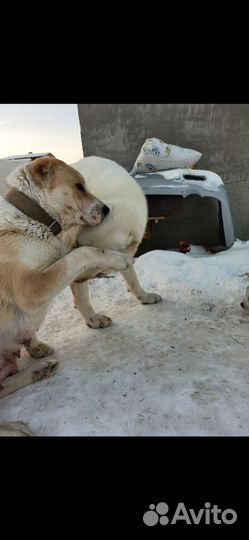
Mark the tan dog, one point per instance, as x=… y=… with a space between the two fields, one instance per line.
x=46 y=196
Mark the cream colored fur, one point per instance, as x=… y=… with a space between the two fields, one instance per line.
x=35 y=266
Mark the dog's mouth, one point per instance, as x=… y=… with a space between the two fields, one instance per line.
x=91 y=217
x=91 y=220
x=96 y=217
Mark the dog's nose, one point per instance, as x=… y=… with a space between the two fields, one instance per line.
x=105 y=210
x=242 y=305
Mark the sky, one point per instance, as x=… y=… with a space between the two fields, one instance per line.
x=40 y=128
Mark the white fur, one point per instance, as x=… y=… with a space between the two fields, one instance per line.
x=122 y=229
x=21 y=179
x=50 y=247
x=113 y=185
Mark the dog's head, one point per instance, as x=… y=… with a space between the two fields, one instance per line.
x=60 y=190
x=245 y=303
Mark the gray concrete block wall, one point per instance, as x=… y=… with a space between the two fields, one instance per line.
x=219 y=131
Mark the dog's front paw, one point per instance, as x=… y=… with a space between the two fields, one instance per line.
x=151 y=298
x=98 y=321
x=41 y=350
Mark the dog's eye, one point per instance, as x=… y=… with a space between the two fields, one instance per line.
x=80 y=187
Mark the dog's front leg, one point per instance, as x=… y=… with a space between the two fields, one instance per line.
x=35 y=290
x=82 y=303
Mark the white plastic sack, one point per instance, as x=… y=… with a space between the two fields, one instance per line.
x=156 y=155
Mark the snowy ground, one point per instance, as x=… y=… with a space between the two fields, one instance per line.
x=176 y=368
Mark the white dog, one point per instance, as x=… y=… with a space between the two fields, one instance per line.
x=122 y=230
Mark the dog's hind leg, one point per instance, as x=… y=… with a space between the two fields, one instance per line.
x=14 y=429
x=132 y=282
x=82 y=303
x=133 y=286
x=38 y=349
x=37 y=371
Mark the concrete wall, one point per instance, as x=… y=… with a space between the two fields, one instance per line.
x=220 y=132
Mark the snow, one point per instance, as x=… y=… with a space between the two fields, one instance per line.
x=179 y=367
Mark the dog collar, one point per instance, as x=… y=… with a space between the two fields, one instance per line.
x=32 y=209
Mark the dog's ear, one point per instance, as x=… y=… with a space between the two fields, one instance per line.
x=38 y=170
x=50 y=155
x=41 y=167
